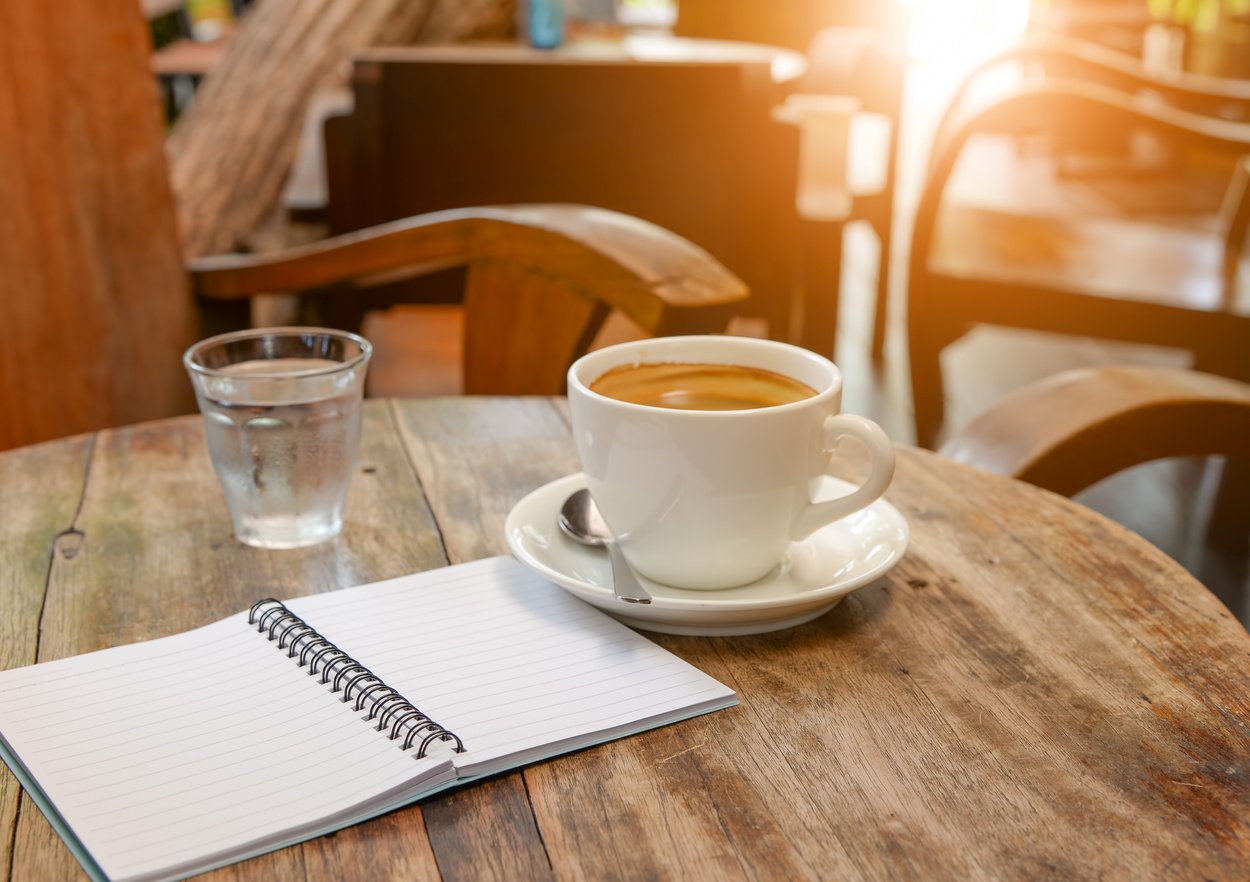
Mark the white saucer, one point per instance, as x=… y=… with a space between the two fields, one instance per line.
x=817 y=574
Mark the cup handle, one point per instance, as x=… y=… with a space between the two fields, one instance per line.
x=881 y=454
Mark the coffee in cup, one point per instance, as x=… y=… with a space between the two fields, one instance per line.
x=700 y=386
x=701 y=452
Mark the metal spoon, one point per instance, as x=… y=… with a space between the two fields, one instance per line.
x=581 y=521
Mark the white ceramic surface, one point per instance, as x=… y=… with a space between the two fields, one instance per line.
x=712 y=499
x=817 y=573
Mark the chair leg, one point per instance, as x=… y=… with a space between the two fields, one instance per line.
x=1229 y=526
x=881 y=320
x=925 y=342
x=822 y=285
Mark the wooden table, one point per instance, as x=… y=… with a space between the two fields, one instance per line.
x=786 y=66
x=1032 y=693
x=306 y=192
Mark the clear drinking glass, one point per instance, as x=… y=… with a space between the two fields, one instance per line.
x=282 y=417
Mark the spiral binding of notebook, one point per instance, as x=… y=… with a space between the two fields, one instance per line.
x=342 y=673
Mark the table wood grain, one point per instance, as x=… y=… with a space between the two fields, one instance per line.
x=1033 y=692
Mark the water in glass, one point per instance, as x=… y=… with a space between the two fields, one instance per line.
x=283 y=447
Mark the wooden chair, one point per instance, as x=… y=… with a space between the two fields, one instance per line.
x=691 y=147
x=1054 y=56
x=1104 y=151
x=1075 y=428
x=1122 y=275
x=96 y=298
x=541 y=281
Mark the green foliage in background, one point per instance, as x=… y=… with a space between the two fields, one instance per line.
x=1198 y=15
x=165 y=29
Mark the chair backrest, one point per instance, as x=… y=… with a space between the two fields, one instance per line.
x=1040 y=108
x=690 y=147
x=94 y=301
x=1093 y=150
x=1069 y=431
x=541 y=281
x=1053 y=56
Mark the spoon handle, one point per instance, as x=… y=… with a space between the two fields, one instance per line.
x=624 y=582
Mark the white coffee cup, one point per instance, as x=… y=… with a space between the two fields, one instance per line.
x=713 y=499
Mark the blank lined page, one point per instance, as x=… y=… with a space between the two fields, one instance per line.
x=170 y=757
x=179 y=752
x=512 y=664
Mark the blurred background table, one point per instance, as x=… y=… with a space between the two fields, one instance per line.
x=1033 y=691
x=676 y=131
x=785 y=65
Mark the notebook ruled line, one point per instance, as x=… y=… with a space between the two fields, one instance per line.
x=164 y=758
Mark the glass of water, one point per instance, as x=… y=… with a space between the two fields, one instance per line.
x=282 y=417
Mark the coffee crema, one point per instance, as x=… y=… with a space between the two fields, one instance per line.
x=682 y=386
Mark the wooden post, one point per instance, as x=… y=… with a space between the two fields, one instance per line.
x=94 y=302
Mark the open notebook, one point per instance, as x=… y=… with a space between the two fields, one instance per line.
x=163 y=759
